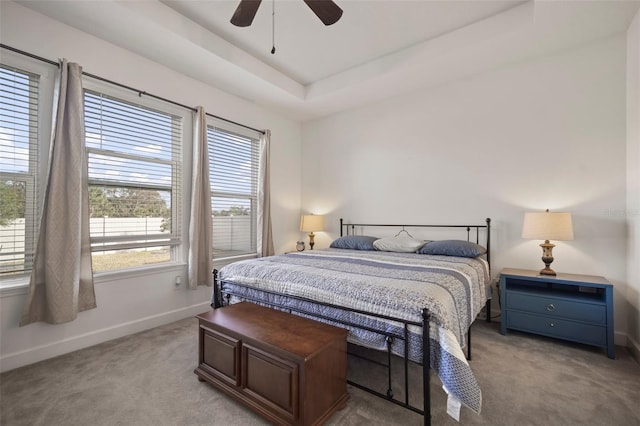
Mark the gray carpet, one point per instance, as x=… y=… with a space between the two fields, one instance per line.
x=147 y=379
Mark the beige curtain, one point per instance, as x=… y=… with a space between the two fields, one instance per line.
x=265 y=235
x=61 y=282
x=200 y=245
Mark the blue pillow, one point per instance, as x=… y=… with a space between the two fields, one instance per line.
x=354 y=242
x=458 y=248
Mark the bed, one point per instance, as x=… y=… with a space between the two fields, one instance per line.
x=389 y=292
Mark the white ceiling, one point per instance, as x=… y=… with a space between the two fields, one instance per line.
x=308 y=51
x=378 y=49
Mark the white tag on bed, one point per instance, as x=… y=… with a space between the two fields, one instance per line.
x=453 y=405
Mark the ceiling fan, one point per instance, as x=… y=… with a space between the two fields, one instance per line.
x=328 y=12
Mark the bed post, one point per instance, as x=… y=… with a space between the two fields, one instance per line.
x=341 y=227
x=426 y=367
x=216 y=291
x=488 y=220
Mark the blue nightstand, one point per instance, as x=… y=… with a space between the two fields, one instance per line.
x=566 y=306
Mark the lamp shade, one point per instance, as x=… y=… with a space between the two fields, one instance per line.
x=311 y=223
x=547 y=226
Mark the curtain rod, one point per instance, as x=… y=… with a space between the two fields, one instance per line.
x=133 y=89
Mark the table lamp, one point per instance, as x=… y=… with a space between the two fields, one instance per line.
x=547 y=226
x=310 y=223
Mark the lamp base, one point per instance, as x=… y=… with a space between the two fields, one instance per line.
x=547 y=258
x=311 y=242
x=547 y=271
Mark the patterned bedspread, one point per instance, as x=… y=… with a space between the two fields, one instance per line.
x=397 y=285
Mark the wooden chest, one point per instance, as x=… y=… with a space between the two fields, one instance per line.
x=289 y=369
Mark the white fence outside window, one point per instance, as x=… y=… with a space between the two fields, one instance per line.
x=231 y=233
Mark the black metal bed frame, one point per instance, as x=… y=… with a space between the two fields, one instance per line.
x=219 y=291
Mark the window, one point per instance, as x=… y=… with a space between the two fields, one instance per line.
x=134 y=161
x=18 y=169
x=233 y=174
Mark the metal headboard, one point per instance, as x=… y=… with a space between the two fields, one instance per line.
x=350 y=228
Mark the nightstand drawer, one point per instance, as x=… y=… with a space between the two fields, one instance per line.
x=553 y=306
x=555 y=327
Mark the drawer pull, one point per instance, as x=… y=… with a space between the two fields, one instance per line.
x=550 y=307
x=551 y=324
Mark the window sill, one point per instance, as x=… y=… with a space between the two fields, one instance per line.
x=101 y=277
x=19 y=285
x=14 y=286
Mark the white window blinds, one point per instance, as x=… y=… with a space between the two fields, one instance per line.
x=233 y=174
x=18 y=168
x=134 y=180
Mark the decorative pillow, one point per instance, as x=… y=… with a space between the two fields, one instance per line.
x=458 y=248
x=398 y=244
x=354 y=242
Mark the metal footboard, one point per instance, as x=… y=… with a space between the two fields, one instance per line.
x=223 y=295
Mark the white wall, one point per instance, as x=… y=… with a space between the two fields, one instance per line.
x=633 y=182
x=547 y=133
x=129 y=304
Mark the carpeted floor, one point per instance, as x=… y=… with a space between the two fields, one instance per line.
x=147 y=379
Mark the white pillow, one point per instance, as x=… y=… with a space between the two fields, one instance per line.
x=398 y=244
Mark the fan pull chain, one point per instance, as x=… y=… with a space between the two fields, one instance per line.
x=273 y=26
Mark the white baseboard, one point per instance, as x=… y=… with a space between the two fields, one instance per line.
x=61 y=347
x=634 y=348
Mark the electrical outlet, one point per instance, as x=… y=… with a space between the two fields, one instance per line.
x=178 y=280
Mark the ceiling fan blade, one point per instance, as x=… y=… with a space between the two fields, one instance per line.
x=328 y=12
x=244 y=14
